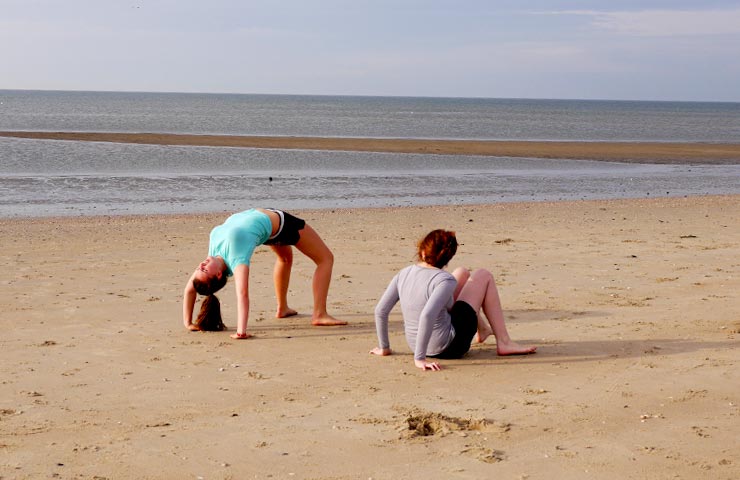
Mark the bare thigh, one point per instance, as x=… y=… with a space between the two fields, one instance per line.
x=474 y=291
x=313 y=246
x=283 y=252
x=462 y=275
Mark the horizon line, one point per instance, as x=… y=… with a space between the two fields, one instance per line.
x=365 y=95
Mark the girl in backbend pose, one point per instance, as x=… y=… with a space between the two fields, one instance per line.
x=229 y=253
x=440 y=310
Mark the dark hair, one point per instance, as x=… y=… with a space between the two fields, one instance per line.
x=209 y=317
x=210 y=286
x=437 y=248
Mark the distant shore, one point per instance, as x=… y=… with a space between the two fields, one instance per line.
x=633 y=152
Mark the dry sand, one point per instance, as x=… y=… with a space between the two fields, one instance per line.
x=652 y=152
x=634 y=305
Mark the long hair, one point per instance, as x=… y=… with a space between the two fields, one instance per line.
x=209 y=317
x=437 y=248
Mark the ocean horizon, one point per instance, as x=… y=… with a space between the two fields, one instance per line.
x=371 y=116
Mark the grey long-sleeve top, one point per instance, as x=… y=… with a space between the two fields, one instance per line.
x=426 y=296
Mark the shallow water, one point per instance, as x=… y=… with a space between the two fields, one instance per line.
x=85 y=178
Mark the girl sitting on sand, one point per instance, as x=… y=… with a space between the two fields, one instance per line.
x=440 y=310
x=229 y=253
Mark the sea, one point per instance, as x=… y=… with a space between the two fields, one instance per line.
x=40 y=178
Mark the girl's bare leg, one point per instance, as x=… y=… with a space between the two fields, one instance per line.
x=462 y=275
x=314 y=248
x=281 y=279
x=480 y=292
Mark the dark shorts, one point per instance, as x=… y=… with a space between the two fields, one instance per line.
x=289 y=231
x=465 y=323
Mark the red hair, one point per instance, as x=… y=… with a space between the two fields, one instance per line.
x=437 y=248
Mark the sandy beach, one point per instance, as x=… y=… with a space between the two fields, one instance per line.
x=650 y=152
x=634 y=305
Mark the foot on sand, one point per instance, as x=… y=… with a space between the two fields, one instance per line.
x=240 y=336
x=513 y=348
x=326 y=320
x=483 y=334
x=285 y=312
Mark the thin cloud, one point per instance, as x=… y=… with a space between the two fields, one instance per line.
x=662 y=23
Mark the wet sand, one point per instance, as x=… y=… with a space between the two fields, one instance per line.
x=641 y=152
x=634 y=305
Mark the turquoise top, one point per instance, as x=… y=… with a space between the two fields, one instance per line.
x=236 y=239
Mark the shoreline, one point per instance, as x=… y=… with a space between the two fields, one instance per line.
x=384 y=209
x=219 y=214
x=628 y=152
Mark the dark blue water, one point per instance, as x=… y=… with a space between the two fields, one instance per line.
x=40 y=178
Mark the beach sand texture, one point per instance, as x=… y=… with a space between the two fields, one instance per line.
x=634 y=305
x=651 y=152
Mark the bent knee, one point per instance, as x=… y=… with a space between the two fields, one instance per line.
x=481 y=274
x=461 y=272
x=325 y=257
x=286 y=259
x=328 y=257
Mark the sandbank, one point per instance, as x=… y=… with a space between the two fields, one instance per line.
x=640 y=152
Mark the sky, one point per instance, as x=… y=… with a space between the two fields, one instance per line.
x=619 y=49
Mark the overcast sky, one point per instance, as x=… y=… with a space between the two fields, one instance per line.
x=619 y=49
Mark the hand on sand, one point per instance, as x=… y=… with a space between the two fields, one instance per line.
x=326 y=320
x=241 y=336
x=424 y=365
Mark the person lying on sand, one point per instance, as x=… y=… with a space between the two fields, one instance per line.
x=440 y=310
x=229 y=253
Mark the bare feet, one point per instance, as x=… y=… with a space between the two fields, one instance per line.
x=513 y=348
x=285 y=312
x=326 y=320
x=241 y=336
x=483 y=333
x=382 y=352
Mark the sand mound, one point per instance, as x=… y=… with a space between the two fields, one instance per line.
x=425 y=424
